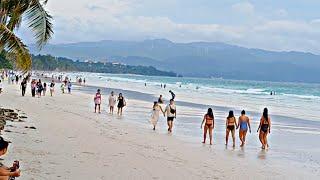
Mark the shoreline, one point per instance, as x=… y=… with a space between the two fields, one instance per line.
x=70 y=138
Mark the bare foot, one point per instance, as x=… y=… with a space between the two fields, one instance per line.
x=203 y=142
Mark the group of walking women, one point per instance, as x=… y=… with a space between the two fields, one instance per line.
x=243 y=124
x=112 y=100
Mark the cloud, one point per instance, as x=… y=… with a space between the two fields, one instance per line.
x=115 y=20
x=244 y=8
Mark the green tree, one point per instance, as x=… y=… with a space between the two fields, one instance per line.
x=39 y=21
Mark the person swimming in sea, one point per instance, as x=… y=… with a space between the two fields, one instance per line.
x=264 y=128
x=243 y=123
x=208 y=121
x=231 y=125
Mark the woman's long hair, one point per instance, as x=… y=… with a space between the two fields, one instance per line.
x=210 y=113
x=265 y=114
x=231 y=115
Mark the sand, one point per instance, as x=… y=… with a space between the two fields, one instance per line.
x=72 y=142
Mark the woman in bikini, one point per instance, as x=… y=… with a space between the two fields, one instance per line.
x=265 y=128
x=208 y=119
x=231 y=125
x=121 y=104
x=97 y=101
x=243 y=123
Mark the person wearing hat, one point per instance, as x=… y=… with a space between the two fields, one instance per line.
x=5 y=172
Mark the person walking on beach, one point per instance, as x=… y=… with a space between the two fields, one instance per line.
x=97 y=101
x=62 y=88
x=172 y=95
x=231 y=125
x=7 y=172
x=52 y=84
x=44 y=88
x=208 y=119
x=121 y=104
x=112 y=102
x=33 y=88
x=265 y=128
x=69 y=87
x=39 y=88
x=171 y=114
x=155 y=114
x=23 y=86
x=1 y=87
x=243 y=123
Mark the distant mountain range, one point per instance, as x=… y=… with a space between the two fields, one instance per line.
x=198 y=59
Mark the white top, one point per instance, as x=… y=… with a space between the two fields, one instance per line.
x=112 y=100
x=169 y=114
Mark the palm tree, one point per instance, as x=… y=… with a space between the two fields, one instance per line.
x=39 y=21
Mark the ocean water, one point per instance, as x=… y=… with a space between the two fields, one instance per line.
x=296 y=100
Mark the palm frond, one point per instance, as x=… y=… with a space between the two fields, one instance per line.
x=11 y=43
x=40 y=22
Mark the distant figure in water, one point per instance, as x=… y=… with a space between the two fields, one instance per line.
x=164 y=86
x=171 y=114
x=231 y=125
x=160 y=100
x=161 y=85
x=121 y=104
x=243 y=123
x=145 y=84
x=265 y=128
x=172 y=95
x=97 y=101
x=84 y=81
x=155 y=114
x=208 y=119
x=271 y=93
x=112 y=101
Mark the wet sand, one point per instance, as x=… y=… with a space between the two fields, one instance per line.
x=72 y=142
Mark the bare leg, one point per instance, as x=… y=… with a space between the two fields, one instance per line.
x=261 y=139
x=4 y=177
x=210 y=134
x=99 y=108
x=244 y=137
x=205 y=129
x=227 y=136
x=233 y=138
x=95 y=108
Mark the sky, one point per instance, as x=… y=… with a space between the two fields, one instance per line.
x=280 y=25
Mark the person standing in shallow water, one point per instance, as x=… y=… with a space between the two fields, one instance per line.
x=155 y=114
x=97 y=101
x=231 y=125
x=208 y=119
x=121 y=104
x=265 y=128
x=243 y=123
x=171 y=112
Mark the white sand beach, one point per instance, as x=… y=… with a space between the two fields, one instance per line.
x=72 y=142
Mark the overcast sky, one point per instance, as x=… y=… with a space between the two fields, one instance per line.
x=267 y=24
